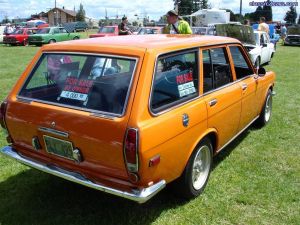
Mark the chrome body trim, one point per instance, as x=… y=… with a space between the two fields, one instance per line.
x=138 y=195
x=108 y=114
x=53 y=131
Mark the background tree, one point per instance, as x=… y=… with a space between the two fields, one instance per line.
x=291 y=15
x=80 y=15
x=254 y=16
x=187 y=7
x=267 y=12
x=6 y=20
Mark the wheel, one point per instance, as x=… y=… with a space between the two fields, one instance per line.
x=195 y=176
x=76 y=38
x=25 y=42
x=266 y=112
x=52 y=41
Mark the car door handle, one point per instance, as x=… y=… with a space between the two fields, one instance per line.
x=244 y=87
x=213 y=102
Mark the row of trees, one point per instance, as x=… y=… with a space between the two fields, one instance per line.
x=187 y=7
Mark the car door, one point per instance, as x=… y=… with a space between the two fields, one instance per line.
x=222 y=95
x=64 y=34
x=56 y=34
x=247 y=81
x=264 y=48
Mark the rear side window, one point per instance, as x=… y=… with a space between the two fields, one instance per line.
x=175 y=80
x=96 y=83
x=242 y=69
x=216 y=68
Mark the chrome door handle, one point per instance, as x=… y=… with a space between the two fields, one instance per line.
x=244 y=87
x=213 y=102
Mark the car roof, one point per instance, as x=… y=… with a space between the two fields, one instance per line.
x=142 y=42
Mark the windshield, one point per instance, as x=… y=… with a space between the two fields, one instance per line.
x=96 y=83
x=294 y=30
x=18 y=31
x=107 y=30
x=43 y=31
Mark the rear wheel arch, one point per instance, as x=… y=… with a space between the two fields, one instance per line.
x=211 y=134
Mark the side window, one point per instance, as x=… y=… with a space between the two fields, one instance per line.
x=62 y=30
x=221 y=67
x=216 y=69
x=56 y=31
x=175 y=80
x=242 y=69
x=207 y=71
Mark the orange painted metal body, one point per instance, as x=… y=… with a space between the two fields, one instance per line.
x=101 y=139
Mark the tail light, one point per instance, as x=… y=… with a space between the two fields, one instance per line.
x=131 y=150
x=2 y=120
x=2 y=114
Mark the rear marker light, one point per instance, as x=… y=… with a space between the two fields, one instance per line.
x=154 y=161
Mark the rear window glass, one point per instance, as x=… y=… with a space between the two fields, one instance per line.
x=89 y=82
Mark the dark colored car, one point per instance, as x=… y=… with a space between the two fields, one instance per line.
x=293 y=36
x=19 y=36
x=75 y=26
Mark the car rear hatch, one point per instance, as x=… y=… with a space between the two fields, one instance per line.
x=72 y=112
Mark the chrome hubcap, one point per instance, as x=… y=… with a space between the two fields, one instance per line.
x=201 y=167
x=268 y=108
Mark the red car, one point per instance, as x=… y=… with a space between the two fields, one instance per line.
x=106 y=31
x=19 y=36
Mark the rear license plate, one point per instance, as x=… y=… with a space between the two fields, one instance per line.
x=59 y=147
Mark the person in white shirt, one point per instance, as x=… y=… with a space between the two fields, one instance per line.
x=263 y=26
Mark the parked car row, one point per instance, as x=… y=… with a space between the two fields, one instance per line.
x=34 y=36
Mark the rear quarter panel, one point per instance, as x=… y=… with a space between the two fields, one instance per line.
x=164 y=134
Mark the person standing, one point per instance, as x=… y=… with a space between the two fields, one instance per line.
x=263 y=26
x=283 y=32
x=123 y=29
x=176 y=25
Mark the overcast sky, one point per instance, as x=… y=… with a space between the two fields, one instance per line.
x=96 y=8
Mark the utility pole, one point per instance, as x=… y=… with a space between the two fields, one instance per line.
x=241 y=3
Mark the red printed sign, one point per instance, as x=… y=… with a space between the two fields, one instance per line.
x=76 y=89
x=184 y=78
x=78 y=86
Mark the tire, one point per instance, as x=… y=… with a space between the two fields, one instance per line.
x=52 y=41
x=76 y=38
x=25 y=43
x=196 y=173
x=266 y=112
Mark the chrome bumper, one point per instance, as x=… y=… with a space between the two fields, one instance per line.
x=138 y=195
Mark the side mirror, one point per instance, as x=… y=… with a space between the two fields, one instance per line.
x=261 y=71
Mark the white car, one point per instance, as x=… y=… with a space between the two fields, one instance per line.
x=262 y=52
x=2 y=28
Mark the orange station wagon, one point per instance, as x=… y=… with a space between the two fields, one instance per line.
x=127 y=115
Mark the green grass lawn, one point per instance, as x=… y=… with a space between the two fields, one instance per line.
x=255 y=180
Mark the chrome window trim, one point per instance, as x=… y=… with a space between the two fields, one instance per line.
x=94 y=112
x=170 y=54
